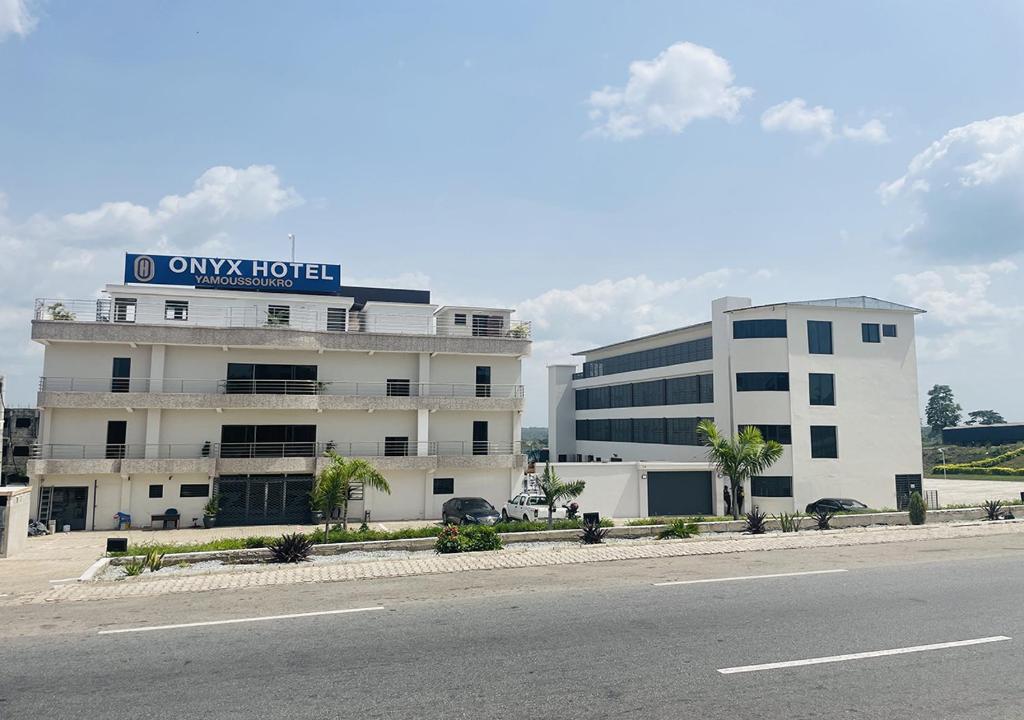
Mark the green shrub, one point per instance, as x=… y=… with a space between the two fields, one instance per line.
x=992 y=509
x=449 y=540
x=755 y=522
x=680 y=528
x=668 y=520
x=134 y=567
x=917 y=509
x=593 y=533
x=477 y=538
x=823 y=517
x=790 y=522
x=154 y=560
x=293 y=548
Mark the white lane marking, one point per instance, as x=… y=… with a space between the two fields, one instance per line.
x=265 y=618
x=3 y=594
x=861 y=656
x=63 y=580
x=750 y=577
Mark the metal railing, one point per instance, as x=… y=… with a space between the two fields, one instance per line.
x=228 y=451
x=394 y=388
x=149 y=310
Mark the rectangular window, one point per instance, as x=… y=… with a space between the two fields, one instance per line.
x=176 y=310
x=649 y=430
x=195 y=491
x=398 y=387
x=20 y=451
x=600 y=430
x=782 y=434
x=743 y=329
x=600 y=397
x=156 y=491
x=869 y=333
x=278 y=314
x=120 y=374
x=117 y=431
x=707 y=388
x=396 y=446
x=771 y=486
x=888 y=331
x=269 y=379
x=685 y=352
x=337 y=320
x=253 y=441
x=444 y=486
x=582 y=429
x=823 y=441
x=487 y=325
x=460 y=318
x=481 y=446
x=682 y=391
x=620 y=430
x=762 y=381
x=620 y=396
x=649 y=393
x=124 y=310
x=823 y=388
x=819 y=337
x=681 y=431
x=583 y=399
x=23 y=422
x=483 y=381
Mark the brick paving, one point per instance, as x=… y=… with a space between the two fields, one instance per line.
x=427 y=563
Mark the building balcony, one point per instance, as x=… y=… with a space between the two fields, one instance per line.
x=244 y=458
x=179 y=393
x=125 y=311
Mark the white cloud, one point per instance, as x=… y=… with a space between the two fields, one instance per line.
x=966 y=191
x=959 y=295
x=795 y=116
x=16 y=18
x=684 y=83
x=75 y=254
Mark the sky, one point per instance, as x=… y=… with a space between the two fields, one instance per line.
x=607 y=168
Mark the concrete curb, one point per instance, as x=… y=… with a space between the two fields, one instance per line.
x=95 y=569
x=256 y=555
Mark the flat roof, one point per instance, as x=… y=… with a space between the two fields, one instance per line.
x=642 y=337
x=978 y=427
x=862 y=302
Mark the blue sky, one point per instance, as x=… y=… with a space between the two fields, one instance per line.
x=607 y=168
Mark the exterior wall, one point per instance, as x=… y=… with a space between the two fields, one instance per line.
x=561 y=411
x=14 y=517
x=91 y=360
x=74 y=426
x=461 y=369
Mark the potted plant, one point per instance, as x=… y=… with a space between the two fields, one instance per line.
x=210 y=511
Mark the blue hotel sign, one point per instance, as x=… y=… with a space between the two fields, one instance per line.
x=233 y=274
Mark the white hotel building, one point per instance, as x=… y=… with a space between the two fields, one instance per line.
x=835 y=381
x=155 y=397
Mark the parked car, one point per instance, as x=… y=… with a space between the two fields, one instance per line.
x=527 y=507
x=468 y=511
x=836 y=505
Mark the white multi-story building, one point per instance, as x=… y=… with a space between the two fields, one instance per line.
x=834 y=381
x=156 y=397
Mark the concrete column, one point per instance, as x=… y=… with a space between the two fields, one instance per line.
x=422 y=432
x=721 y=340
x=428 y=493
x=152 y=433
x=561 y=411
x=517 y=428
x=126 y=497
x=424 y=372
x=45 y=415
x=156 y=368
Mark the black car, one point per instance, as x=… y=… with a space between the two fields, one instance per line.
x=469 y=511
x=836 y=505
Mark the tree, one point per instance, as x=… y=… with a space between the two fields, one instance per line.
x=554 y=490
x=942 y=410
x=740 y=457
x=334 y=485
x=985 y=417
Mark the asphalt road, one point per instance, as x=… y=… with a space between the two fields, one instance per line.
x=599 y=640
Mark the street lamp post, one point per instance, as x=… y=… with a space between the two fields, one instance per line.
x=942 y=452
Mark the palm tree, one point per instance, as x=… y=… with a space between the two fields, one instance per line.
x=334 y=484
x=554 y=490
x=740 y=457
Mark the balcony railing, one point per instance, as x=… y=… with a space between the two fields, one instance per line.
x=153 y=311
x=195 y=451
x=394 y=388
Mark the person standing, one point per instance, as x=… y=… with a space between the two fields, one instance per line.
x=739 y=499
x=727 y=496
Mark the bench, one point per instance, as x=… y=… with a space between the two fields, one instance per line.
x=166 y=518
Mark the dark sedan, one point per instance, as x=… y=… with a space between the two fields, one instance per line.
x=469 y=511
x=836 y=505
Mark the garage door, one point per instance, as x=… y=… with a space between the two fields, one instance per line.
x=679 y=493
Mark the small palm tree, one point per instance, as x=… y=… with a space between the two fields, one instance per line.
x=334 y=485
x=554 y=490
x=740 y=457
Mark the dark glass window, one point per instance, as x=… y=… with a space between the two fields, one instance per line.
x=120 y=375
x=20 y=451
x=686 y=352
x=823 y=388
x=444 y=486
x=460 y=318
x=583 y=399
x=682 y=431
x=599 y=398
x=869 y=333
x=649 y=393
x=278 y=314
x=819 y=337
x=395 y=445
x=256 y=378
x=779 y=433
x=771 y=486
x=156 y=491
x=707 y=388
x=398 y=387
x=888 y=331
x=582 y=429
x=621 y=396
x=195 y=491
x=483 y=380
x=823 y=441
x=682 y=391
x=600 y=430
x=762 y=381
x=252 y=441
x=337 y=320
x=620 y=430
x=649 y=430
x=742 y=329
x=23 y=422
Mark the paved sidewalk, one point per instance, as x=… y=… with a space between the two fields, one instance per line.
x=429 y=563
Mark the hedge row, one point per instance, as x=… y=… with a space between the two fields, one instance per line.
x=969 y=469
x=985 y=463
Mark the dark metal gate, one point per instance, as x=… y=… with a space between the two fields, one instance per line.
x=263 y=499
x=679 y=493
x=905 y=486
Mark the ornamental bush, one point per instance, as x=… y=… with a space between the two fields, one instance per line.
x=476 y=538
x=917 y=509
x=448 y=540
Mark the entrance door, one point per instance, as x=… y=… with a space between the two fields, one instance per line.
x=120 y=375
x=906 y=485
x=117 y=431
x=263 y=499
x=69 y=506
x=483 y=381
x=679 y=493
x=480 y=437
